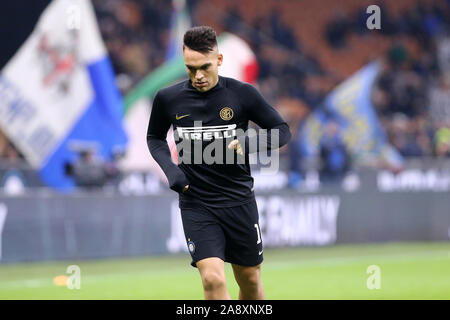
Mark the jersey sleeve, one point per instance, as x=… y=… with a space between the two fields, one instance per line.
x=159 y=121
x=277 y=132
x=159 y=149
x=258 y=109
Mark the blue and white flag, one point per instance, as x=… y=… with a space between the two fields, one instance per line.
x=351 y=106
x=59 y=89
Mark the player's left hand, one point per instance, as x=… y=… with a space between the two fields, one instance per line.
x=236 y=146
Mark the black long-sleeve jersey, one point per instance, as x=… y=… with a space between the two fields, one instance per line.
x=203 y=117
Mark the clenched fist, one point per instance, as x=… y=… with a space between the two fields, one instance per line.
x=235 y=144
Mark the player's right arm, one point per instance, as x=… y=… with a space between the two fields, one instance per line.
x=158 y=126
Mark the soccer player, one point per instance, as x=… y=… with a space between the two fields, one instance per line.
x=217 y=203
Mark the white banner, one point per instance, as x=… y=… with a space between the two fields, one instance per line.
x=3 y=213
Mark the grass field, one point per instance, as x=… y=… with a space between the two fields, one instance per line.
x=408 y=271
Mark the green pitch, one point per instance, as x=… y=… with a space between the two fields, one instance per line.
x=407 y=271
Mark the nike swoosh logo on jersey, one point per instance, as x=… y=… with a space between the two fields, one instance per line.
x=181 y=117
x=260 y=253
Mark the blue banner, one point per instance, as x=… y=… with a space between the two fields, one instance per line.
x=351 y=107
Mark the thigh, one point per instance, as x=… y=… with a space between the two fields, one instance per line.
x=245 y=274
x=211 y=265
x=204 y=235
x=243 y=236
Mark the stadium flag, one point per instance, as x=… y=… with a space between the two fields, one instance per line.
x=239 y=60
x=58 y=90
x=350 y=104
x=179 y=24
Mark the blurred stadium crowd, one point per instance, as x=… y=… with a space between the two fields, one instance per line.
x=304 y=52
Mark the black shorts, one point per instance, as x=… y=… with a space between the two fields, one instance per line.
x=231 y=234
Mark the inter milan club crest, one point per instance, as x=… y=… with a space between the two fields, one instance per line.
x=191 y=246
x=226 y=113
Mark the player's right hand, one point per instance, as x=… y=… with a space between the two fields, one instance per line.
x=178 y=181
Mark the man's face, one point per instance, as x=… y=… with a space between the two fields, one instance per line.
x=202 y=68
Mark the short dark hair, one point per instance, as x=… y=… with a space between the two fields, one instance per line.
x=202 y=39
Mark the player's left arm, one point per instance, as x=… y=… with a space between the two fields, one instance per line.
x=276 y=131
